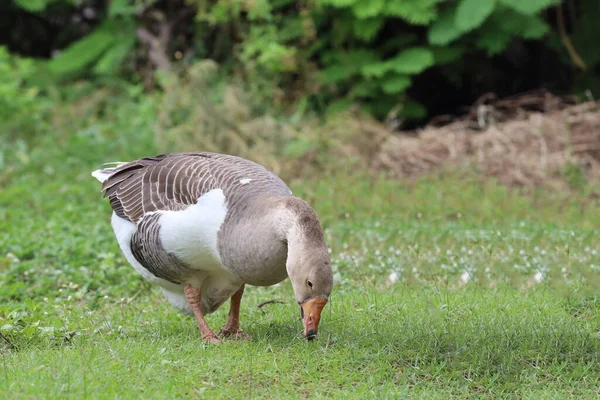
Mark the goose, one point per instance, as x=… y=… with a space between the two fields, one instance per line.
x=203 y=225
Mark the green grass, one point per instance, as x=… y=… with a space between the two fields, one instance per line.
x=496 y=294
x=384 y=343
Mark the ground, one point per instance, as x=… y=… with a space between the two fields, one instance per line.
x=448 y=284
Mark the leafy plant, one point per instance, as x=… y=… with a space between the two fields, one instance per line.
x=21 y=104
x=324 y=55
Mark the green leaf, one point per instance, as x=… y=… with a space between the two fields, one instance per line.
x=376 y=70
x=83 y=52
x=364 y=9
x=120 y=7
x=112 y=59
x=32 y=5
x=493 y=40
x=444 y=29
x=528 y=7
x=525 y=26
x=337 y=72
x=338 y=3
x=420 y=12
x=345 y=64
x=535 y=28
x=413 y=60
x=470 y=14
x=259 y=10
x=396 y=84
x=367 y=29
x=365 y=88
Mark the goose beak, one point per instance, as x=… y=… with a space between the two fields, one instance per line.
x=311 y=315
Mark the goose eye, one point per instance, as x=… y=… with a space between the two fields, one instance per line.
x=309 y=283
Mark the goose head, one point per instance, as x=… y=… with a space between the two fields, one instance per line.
x=309 y=268
x=312 y=281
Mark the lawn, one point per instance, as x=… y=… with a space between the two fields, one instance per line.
x=444 y=285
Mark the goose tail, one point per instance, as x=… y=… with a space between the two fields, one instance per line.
x=105 y=173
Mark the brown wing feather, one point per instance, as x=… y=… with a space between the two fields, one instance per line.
x=175 y=181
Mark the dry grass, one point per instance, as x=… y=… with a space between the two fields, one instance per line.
x=533 y=149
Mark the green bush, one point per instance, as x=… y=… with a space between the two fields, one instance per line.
x=323 y=55
x=22 y=107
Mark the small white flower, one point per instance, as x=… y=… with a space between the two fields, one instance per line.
x=393 y=278
x=538 y=277
x=465 y=277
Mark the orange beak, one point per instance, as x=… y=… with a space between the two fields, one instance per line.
x=311 y=315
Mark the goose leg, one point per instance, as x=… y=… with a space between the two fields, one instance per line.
x=232 y=326
x=192 y=294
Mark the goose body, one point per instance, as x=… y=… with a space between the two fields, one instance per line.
x=202 y=225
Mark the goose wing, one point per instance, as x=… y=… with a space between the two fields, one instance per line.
x=175 y=181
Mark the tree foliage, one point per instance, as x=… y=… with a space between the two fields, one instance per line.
x=330 y=53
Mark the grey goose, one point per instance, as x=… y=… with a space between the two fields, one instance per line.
x=203 y=225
